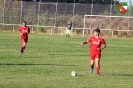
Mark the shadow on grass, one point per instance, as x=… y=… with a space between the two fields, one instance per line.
x=68 y=54
x=80 y=75
x=121 y=74
x=35 y=64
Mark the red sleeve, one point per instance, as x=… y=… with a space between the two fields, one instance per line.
x=28 y=30
x=89 y=40
x=20 y=29
x=103 y=42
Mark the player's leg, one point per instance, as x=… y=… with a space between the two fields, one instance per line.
x=69 y=32
x=92 y=61
x=97 y=62
x=22 y=48
x=66 y=32
x=91 y=65
x=24 y=45
x=24 y=42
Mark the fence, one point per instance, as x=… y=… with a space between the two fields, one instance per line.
x=48 y=17
x=110 y=26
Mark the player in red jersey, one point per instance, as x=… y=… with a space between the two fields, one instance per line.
x=96 y=45
x=24 y=30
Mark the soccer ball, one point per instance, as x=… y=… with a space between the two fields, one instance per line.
x=73 y=73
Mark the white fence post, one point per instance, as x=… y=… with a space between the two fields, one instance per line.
x=52 y=31
x=32 y=29
x=4 y=12
x=21 y=12
x=38 y=13
x=110 y=18
x=56 y=15
x=84 y=27
x=13 y=28
x=73 y=15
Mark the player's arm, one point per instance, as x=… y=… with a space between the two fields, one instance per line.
x=20 y=32
x=103 y=45
x=28 y=30
x=66 y=27
x=86 y=42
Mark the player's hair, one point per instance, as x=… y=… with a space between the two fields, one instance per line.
x=69 y=22
x=97 y=30
x=25 y=22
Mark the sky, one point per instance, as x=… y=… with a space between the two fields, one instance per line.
x=126 y=1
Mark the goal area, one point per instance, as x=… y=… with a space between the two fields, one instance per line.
x=110 y=26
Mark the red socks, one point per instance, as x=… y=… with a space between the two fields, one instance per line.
x=22 y=48
x=98 y=70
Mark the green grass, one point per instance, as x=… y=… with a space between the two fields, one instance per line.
x=48 y=61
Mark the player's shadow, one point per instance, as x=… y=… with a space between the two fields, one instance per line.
x=121 y=74
x=68 y=55
x=36 y=64
x=80 y=75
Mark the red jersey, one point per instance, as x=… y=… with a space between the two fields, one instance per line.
x=24 y=31
x=95 y=43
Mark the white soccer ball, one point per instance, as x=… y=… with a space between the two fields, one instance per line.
x=73 y=73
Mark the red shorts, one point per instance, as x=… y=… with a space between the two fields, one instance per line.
x=24 y=39
x=93 y=56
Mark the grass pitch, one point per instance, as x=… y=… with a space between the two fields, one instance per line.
x=49 y=60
